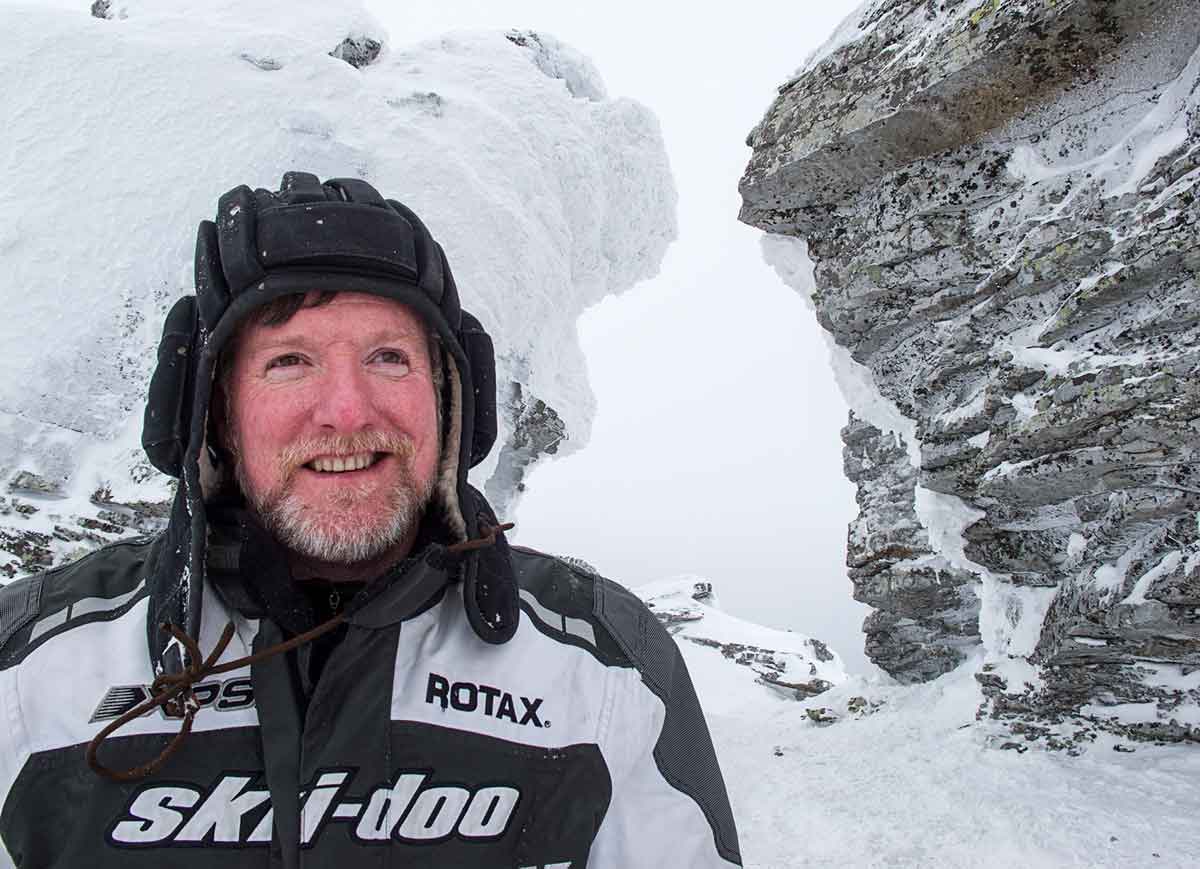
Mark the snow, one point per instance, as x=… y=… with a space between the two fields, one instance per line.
x=1007 y=468
x=734 y=677
x=919 y=783
x=1025 y=405
x=1193 y=561
x=1010 y=617
x=1061 y=361
x=1168 y=564
x=981 y=440
x=1173 y=677
x=546 y=194
x=966 y=410
x=1124 y=167
x=874 y=774
x=946 y=517
x=846 y=33
x=1143 y=713
x=1110 y=577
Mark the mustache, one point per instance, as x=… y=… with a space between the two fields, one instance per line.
x=299 y=453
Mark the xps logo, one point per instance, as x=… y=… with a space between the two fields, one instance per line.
x=224 y=696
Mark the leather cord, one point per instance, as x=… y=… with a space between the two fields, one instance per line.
x=175 y=692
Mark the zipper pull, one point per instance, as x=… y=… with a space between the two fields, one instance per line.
x=335 y=602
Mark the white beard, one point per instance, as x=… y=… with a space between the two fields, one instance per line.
x=335 y=532
x=343 y=538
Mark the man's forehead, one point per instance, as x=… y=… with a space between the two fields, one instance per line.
x=357 y=316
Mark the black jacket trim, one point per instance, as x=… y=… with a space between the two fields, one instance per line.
x=19 y=605
x=684 y=752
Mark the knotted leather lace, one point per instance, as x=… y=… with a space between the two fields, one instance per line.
x=175 y=692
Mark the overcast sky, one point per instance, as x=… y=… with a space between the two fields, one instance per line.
x=715 y=449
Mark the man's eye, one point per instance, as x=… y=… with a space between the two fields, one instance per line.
x=288 y=360
x=288 y=366
x=390 y=358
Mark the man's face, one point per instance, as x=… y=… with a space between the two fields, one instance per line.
x=333 y=423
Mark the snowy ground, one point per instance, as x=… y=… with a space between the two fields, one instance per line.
x=905 y=776
x=916 y=784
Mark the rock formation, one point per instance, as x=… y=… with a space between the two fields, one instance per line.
x=127 y=125
x=991 y=204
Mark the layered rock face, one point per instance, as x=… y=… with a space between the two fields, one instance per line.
x=998 y=200
x=926 y=610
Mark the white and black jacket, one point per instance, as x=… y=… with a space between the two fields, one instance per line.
x=578 y=742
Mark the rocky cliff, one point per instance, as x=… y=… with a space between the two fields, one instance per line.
x=991 y=204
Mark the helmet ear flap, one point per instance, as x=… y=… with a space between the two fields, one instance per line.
x=167 y=424
x=481 y=356
x=212 y=293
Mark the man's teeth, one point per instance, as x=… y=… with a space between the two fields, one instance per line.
x=337 y=464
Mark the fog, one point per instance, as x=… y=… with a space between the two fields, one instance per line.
x=715 y=449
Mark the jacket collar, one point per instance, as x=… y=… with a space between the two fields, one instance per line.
x=248 y=568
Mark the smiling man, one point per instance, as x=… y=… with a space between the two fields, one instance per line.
x=332 y=657
x=334 y=429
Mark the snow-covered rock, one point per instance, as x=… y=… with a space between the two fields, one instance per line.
x=736 y=664
x=992 y=207
x=126 y=121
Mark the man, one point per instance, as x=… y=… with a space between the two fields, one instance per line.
x=331 y=657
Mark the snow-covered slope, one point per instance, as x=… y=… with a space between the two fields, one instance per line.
x=735 y=664
x=123 y=126
x=903 y=776
x=850 y=771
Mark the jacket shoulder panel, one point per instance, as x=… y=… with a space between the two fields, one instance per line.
x=559 y=598
x=684 y=751
x=100 y=585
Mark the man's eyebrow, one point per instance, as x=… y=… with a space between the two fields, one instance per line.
x=303 y=341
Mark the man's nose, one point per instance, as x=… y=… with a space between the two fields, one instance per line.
x=344 y=402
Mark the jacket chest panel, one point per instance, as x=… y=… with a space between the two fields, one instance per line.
x=449 y=798
x=68 y=693
x=530 y=690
